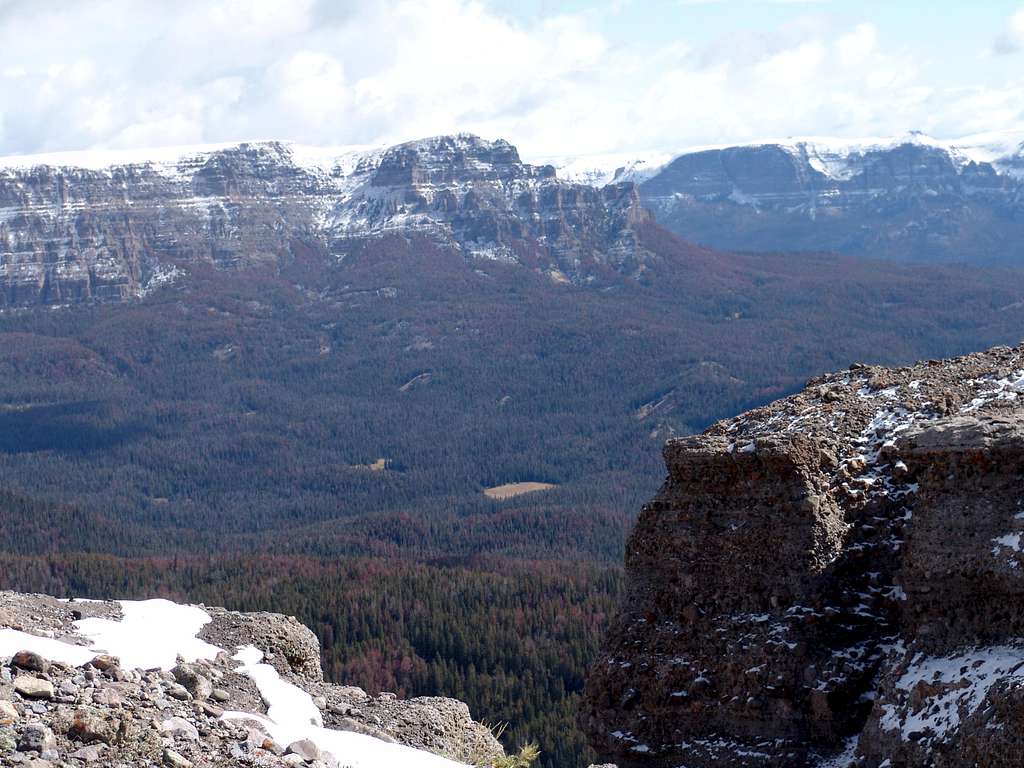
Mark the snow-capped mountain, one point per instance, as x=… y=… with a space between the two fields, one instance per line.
x=116 y=224
x=911 y=197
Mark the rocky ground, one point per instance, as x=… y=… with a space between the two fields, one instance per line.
x=833 y=579
x=201 y=712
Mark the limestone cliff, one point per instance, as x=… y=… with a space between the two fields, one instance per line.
x=832 y=579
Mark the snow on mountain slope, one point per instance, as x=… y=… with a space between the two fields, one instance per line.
x=908 y=198
x=603 y=169
x=292 y=716
x=169 y=158
x=150 y=634
x=593 y=169
x=100 y=159
x=109 y=226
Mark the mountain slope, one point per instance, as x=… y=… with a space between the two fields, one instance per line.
x=244 y=401
x=323 y=363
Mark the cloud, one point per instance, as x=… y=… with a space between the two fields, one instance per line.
x=1011 y=39
x=125 y=73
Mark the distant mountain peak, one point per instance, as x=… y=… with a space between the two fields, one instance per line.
x=906 y=197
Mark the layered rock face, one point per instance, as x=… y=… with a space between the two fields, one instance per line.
x=233 y=689
x=913 y=199
x=70 y=233
x=833 y=579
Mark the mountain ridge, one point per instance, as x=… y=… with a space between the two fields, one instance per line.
x=69 y=234
x=116 y=224
x=1000 y=148
x=911 y=198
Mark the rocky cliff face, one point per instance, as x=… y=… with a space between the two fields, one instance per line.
x=833 y=579
x=911 y=199
x=70 y=233
x=155 y=683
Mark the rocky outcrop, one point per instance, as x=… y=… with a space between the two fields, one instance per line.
x=832 y=579
x=910 y=199
x=69 y=703
x=71 y=233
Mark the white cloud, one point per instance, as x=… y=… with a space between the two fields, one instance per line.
x=121 y=73
x=1011 y=39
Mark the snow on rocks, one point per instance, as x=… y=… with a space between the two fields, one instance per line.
x=151 y=633
x=991 y=389
x=603 y=169
x=13 y=641
x=839 y=159
x=292 y=718
x=133 y=683
x=126 y=225
x=1008 y=545
x=950 y=688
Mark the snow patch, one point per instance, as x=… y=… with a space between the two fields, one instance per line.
x=991 y=389
x=162 y=275
x=292 y=716
x=152 y=634
x=101 y=159
x=603 y=169
x=960 y=683
x=155 y=633
x=13 y=640
x=845 y=759
x=1010 y=541
x=837 y=158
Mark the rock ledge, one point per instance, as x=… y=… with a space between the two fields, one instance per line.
x=833 y=579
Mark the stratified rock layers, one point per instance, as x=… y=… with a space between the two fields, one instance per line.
x=71 y=234
x=833 y=577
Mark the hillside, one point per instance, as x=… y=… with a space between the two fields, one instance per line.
x=74 y=229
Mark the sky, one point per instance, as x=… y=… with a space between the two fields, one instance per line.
x=554 y=77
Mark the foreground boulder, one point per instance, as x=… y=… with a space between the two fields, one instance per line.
x=833 y=579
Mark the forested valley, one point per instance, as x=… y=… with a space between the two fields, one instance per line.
x=315 y=438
